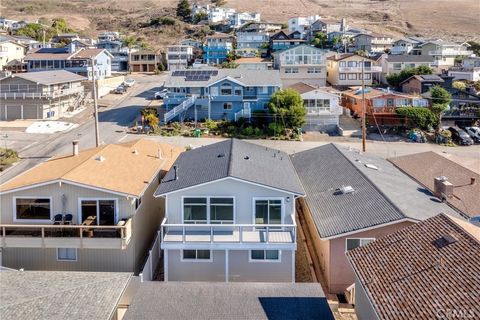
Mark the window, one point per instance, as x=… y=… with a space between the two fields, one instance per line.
x=264 y=255
x=314 y=70
x=238 y=91
x=378 y=103
x=208 y=210
x=352 y=64
x=342 y=76
x=397 y=66
x=355 y=243
x=66 y=254
x=352 y=76
x=227 y=106
x=268 y=211
x=98 y=211
x=291 y=70
x=32 y=208
x=138 y=202
x=196 y=255
x=367 y=76
x=195 y=210
x=342 y=64
x=221 y=210
x=226 y=90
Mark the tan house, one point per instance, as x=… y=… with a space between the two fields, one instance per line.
x=143 y=61
x=351 y=200
x=92 y=210
x=9 y=51
x=346 y=70
x=373 y=42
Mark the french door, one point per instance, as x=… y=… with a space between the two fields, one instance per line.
x=98 y=212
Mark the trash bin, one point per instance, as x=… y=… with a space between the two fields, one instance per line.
x=197 y=133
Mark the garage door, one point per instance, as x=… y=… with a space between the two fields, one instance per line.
x=30 y=112
x=14 y=112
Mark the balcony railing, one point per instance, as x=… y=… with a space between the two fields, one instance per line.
x=449 y=53
x=71 y=236
x=239 y=235
x=33 y=93
x=359 y=69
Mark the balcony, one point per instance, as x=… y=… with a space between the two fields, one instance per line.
x=65 y=236
x=359 y=69
x=382 y=41
x=449 y=53
x=221 y=236
x=34 y=94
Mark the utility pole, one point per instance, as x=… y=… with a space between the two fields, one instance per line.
x=95 y=104
x=364 y=129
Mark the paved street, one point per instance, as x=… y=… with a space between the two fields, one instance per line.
x=113 y=122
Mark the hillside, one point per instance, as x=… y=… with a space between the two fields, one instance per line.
x=396 y=17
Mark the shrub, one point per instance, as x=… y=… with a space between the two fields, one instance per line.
x=276 y=129
x=421 y=117
x=248 y=131
x=211 y=125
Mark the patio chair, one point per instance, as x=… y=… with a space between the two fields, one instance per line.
x=68 y=219
x=58 y=219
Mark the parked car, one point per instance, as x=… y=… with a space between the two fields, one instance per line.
x=129 y=82
x=474 y=133
x=120 y=89
x=162 y=94
x=460 y=137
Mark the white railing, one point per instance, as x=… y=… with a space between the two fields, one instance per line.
x=179 y=109
x=228 y=233
x=40 y=94
x=449 y=52
x=244 y=113
x=359 y=69
x=151 y=264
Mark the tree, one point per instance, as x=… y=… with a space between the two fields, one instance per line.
x=200 y=17
x=421 y=117
x=319 y=40
x=459 y=85
x=184 y=11
x=396 y=78
x=287 y=106
x=475 y=47
x=441 y=99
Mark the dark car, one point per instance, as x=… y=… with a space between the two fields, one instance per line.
x=120 y=89
x=460 y=137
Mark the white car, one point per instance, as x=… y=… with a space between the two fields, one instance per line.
x=129 y=82
x=162 y=94
x=474 y=133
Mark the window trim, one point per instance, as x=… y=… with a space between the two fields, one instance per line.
x=282 y=199
x=265 y=260
x=346 y=240
x=40 y=221
x=68 y=260
x=182 y=259
x=208 y=207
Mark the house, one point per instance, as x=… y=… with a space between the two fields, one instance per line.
x=230 y=206
x=444 y=53
x=65 y=38
x=380 y=104
x=301 y=24
x=179 y=57
x=207 y=300
x=192 y=43
x=438 y=174
x=109 y=36
x=282 y=40
x=405 y=46
x=15 y=66
x=143 y=61
x=64 y=294
x=326 y=26
x=392 y=64
x=345 y=70
x=322 y=105
x=254 y=63
x=40 y=95
x=469 y=69
x=373 y=42
x=220 y=14
x=238 y=19
x=71 y=59
x=20 y=24
x=217 y=47
x=218 y=94
x=6 y=24
x=252 y=44
x=425 y=271
x=9 y=51
x=418 y=84
x=302 y=63
x=353 y=198
x=119 y=52
x=92 y=210
x=262 y=26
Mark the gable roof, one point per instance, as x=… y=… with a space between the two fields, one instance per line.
x=343 y=56
x=34 y=295
x=112 y=168
x=276 y=53
x=302 y=87
x=64 y=54
x=406 y=276
x=49 y=77
x=399 y=58
x=381 y=196
x=425 y=166
x=232 y=159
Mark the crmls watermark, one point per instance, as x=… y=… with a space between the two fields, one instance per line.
x=458 y=313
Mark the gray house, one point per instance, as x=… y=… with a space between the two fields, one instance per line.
x=230 y=214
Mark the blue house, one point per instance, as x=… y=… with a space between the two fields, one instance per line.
x=217 y=47
x=217 y=94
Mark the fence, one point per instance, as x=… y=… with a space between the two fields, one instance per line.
x=153 y=258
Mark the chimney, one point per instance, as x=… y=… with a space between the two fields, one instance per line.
x=175 y=169
x=442 y=188
x=473 y=181
x=75 y=147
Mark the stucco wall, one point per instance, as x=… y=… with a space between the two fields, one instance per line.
x=363 y=307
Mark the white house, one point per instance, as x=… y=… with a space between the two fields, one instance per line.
x=230 y=214
x=238 y=19
x=301 y=24
x=469 y=70
x=219 y=14
x=179 y=56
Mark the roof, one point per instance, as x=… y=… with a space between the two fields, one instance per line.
x=252 y=60
x=302 y=87
x=217 y=300
x=63 y=54
x=398 y=58
x=425 y=166
x=88 y=53
x=381 y=196
x=112 y=168
x=235 y=159
x=49 y=77
x=219 y=35
x=406 y=276
x=370 y=93
x=338 y=57
x=37 y=295
x=425 y=78
x=244 y=76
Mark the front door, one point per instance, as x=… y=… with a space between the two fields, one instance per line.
x=98 y=212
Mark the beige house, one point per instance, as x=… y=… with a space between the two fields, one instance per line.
x=346 y=70
x=443 y=52
x=392 y=64
x=143 y=61
x=9 y=51
x=373 y=42
x=92 y=210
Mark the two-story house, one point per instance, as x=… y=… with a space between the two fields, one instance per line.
x=116 y=48
x=444 y=52
x=219 y=14
x=395 y=63
x=345 y=70
x=40 y=95
x=468 y=70
x=301 y=24
x=91 y=210
x=302 y=63
x=230 y=214
x=252 y=44
x=71 y=59
x=373 y=42
x=326 y=26
x=10 y=50
x=419 y=84
x=238 y=19
x=282 y=40
x=217 y=47
x=179 y=57
x=143 y=61
x=404 y=46
x=218 y=94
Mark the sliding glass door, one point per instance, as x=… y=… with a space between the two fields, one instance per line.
x=98 y=212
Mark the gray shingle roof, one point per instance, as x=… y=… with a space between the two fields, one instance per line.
x=249 y=78
x=393 y=58
x=232 y=158
x=381 y=196
x=50 y=77
x=59 y=295
x=236 y=301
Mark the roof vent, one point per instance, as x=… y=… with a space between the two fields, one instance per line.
x=135 y=151
x=371 y=166
x=221 y=155
x=246 y=158
x=444 y=241
x=346 y=189
x=100 y=158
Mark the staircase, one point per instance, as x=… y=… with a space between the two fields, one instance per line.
x=244 y=113
x=185 y=105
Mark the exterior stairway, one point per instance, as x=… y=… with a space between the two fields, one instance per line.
x=182 y=107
